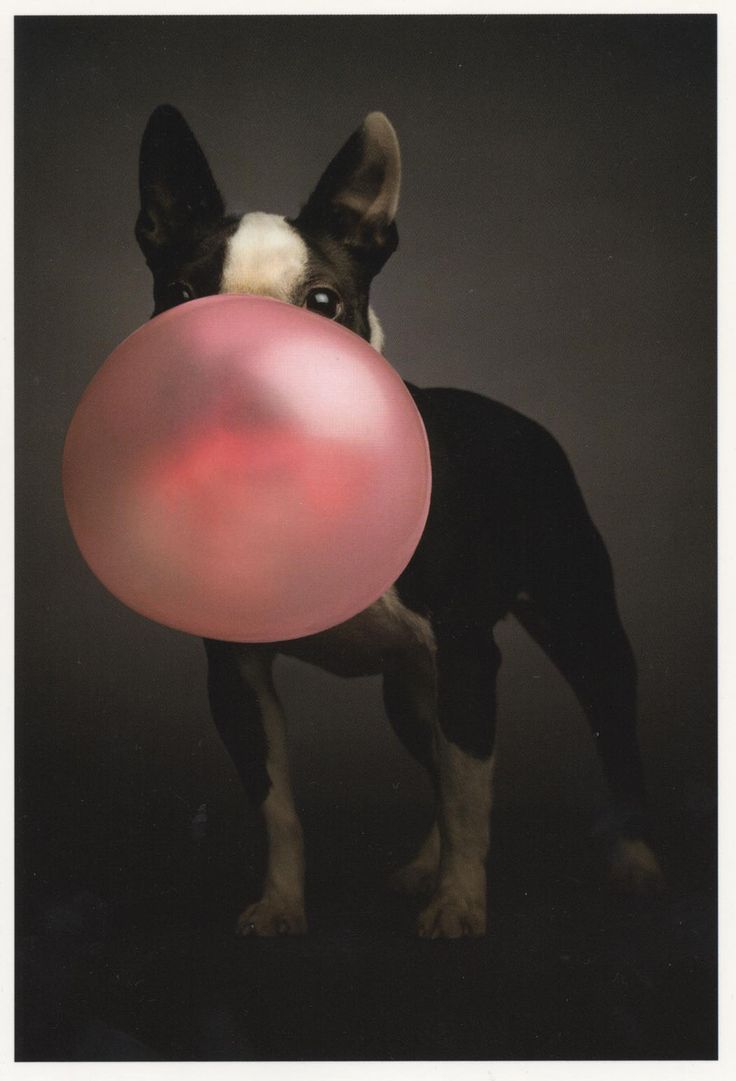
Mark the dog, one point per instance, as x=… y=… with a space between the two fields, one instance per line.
x=508 y=532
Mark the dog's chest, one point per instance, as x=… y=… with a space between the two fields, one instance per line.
x=369 y=642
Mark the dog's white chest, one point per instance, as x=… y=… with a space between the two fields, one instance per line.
x=366 y=644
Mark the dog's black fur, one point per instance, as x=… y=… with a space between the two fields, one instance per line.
x=508 y=531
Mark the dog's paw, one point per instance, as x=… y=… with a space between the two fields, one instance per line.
x=414 y=880
x=272 y=916
x=450 y=915
x=634 y=869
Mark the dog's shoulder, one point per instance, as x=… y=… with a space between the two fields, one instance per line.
x=477 y=438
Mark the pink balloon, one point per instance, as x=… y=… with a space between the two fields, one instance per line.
x=243 y=469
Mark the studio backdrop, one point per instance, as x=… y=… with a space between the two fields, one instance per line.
x=557 y=240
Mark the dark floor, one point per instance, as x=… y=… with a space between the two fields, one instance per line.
x=136 y=958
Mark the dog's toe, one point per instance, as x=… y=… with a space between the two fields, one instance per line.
x=634 y=869
x=450 y=916
x=270 y=917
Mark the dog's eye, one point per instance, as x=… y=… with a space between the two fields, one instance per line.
x=324 y=301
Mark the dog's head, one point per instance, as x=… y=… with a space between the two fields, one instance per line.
x=323 y=260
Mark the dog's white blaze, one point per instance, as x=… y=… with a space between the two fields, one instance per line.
x=266 y=256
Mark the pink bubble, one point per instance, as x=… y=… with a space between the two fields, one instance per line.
x=242 y=469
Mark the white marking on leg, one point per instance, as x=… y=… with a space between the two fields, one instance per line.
x=387 y=634
x=633 y=868
x=465 y=792
x=411 y=691
x=419 y=877
x=281 y=909
x=429 y=852
x=266 y=256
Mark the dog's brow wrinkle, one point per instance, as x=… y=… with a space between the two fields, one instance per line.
x=266 y=256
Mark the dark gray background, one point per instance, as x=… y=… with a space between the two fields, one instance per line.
x=557 y=253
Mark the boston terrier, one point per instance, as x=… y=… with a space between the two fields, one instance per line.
x=508 y=532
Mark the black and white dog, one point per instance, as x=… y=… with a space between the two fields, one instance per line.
x=508 y=531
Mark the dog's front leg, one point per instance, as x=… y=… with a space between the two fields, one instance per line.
x=250 y=720
x=281 y=908
x=467 y=663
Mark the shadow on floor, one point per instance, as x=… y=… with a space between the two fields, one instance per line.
x=151 y=970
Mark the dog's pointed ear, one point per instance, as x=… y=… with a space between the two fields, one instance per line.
x=179 y=198
x=356 y=199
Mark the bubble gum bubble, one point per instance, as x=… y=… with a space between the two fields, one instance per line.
x=242 y=469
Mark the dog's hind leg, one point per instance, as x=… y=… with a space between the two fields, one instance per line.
x=410 y=698
x=249 y=718
x=571 y=612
